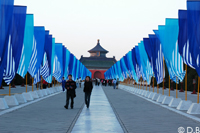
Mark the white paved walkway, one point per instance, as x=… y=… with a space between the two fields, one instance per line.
x=99 y=118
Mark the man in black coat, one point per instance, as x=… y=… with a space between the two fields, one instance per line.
x=70 y=86
x=88 y=90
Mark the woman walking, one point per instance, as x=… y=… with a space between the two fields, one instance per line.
x=87 y=89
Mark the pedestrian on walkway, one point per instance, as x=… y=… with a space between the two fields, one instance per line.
x=63 y=84
x=77 y=82
x=88 y=90
x=71 y=93
x=114 y=83
x=98 y=80
x=80 y=82
x=117 y=83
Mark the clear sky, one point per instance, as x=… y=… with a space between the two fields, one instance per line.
x=119 y=24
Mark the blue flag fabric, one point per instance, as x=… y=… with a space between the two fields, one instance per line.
x=147 y=69
x=139 y=70
x=121 y=77
x=183 y=43
x=38 y=51
x=15 y=42
x=67 y=63
x=168 y=36
x=64 y=60
x=157 y=58
x=193 y=28
x=27 y=46
x=50 y=41
x=131 y=66
x=71 y=63
x=6 y=9
x=74 y=69
x=58 y=61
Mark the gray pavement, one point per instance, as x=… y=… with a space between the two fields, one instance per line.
x=45 y=116
x=99 y=117
x=139 y=115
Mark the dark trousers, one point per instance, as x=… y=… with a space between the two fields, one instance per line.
x=80 y=85
x=114 y=86
x=87 y=98
x=63 y=88
x=69 y=95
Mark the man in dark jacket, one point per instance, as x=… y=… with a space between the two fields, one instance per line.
x=70 y=86
x=87 y=89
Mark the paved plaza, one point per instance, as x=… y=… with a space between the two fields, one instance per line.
x=111 y=110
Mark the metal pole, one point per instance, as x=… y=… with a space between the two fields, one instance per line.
x=146 y=86
x=157 y=88
x=26 y=82
x=143 y=85
x=37 y=86
x=9 y=89
x=163 y=74
x=176 y=88
x=169 y=86
x=41 y=83
x=198 y=91
x=54 y=82
x=153 y=82
x=185 y=82
x=32 y=83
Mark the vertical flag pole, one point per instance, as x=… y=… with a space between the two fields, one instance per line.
x=146 y=85
x=143 y=85
x=26 y=82
x=41 y=83
x=169 y=86
x=149 y=83
x=157 y=88
x=54 y=82
x=9 y=89
x=32 y=83
x=186 y=82
x=198 y=91
x=163 y=75
x=153 y=82
x=176 y=88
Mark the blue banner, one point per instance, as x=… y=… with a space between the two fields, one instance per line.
x=6 y=9
x=15 y=42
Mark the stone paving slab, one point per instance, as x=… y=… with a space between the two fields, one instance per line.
x=139 y=115
x=46 y=116
x=99 y=118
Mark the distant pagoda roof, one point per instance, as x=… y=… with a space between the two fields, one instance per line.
x=98 y=48
x=98 y=62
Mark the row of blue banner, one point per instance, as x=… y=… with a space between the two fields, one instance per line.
x=28 y=48
x=175 y=43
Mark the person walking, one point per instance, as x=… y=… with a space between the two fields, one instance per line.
x=98 y=80
x=87 y=90
x=63 y=83
x=70 y=86
x=114 y=83
x=117 y=83
x=77 y=82
x=80 y=82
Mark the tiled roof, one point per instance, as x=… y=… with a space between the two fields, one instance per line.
x=97 y=64
x=98 y=48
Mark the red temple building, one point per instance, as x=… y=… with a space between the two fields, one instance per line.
x=98 y=63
